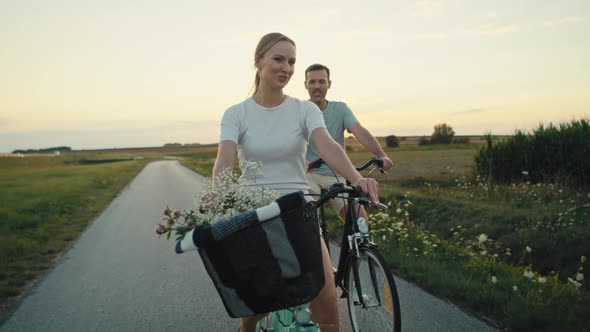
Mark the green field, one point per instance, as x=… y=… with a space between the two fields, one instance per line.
x=503 y=251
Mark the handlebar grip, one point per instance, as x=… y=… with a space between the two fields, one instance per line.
x=316 y=164
x=379 y=162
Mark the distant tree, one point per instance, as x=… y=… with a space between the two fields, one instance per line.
x=423 y=141
x=443 y=134
x=392 y=141
x=461 y=140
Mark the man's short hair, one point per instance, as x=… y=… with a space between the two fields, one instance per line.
x=317 y=66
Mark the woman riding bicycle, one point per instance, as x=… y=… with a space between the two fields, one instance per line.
x=274 y=129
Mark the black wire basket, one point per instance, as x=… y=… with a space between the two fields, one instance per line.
x=259 y=266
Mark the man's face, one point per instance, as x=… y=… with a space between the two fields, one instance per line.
x=317 y=85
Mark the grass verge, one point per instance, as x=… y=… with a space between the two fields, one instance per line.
x=46 y=204
x=515 y=253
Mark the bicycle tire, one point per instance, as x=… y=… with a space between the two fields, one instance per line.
x=382 y=310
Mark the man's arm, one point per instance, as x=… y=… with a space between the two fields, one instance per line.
x=370 y=143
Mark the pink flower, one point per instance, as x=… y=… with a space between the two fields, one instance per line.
x=160 y=229
x=176 y=213
x=167 y=212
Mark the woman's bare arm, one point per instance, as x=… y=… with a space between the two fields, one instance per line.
x=226 y=156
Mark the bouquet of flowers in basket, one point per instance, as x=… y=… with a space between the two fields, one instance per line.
x=223 y=197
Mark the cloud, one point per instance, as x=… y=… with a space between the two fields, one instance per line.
x=469 y=111
x=428 y=8
x=564 y=20
x=5 y=122
x=432 y=36
x=178 y=124
x=494 y=29
x=247 y=37
x=364 y=32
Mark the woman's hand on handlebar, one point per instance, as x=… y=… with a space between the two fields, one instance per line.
x=369 y=187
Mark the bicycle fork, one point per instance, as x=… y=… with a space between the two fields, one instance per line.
x=353 y=243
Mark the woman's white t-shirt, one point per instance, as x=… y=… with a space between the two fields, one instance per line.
x=276 y=136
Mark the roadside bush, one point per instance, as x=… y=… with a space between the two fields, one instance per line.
x=550 y=153
x=392 y=141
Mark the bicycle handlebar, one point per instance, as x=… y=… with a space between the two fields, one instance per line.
x=374 y=160
x=339 y=188
x=355 y=194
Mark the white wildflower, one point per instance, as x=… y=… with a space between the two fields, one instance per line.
x=225 y=197
x=528 y=249
x=580 y=276
x=515 y=288
x=542 y=280
x=529 y=274
x=494 y=279
x=482 y=238
x=573 y=282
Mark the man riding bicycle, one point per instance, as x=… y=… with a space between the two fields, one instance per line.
x=337 y=117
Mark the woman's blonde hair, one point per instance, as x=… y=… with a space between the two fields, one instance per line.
x=266 y=42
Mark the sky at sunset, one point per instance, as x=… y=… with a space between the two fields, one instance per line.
x=116 y=73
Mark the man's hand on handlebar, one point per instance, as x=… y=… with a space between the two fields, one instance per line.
x=387 y=163
x=369 y=187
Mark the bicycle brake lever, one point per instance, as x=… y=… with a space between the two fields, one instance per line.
x=381 y=206
x=380 y=170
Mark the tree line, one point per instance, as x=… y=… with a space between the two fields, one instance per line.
x=47 y=150
x=443 y=134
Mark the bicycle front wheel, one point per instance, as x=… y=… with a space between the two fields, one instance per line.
x=373 y=303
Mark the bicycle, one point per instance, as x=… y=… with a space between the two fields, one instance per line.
x=362 y=274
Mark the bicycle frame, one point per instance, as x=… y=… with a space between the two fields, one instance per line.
x=351 y=238
x=351 y=235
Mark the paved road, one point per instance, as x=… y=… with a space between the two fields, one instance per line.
x=119 y=277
